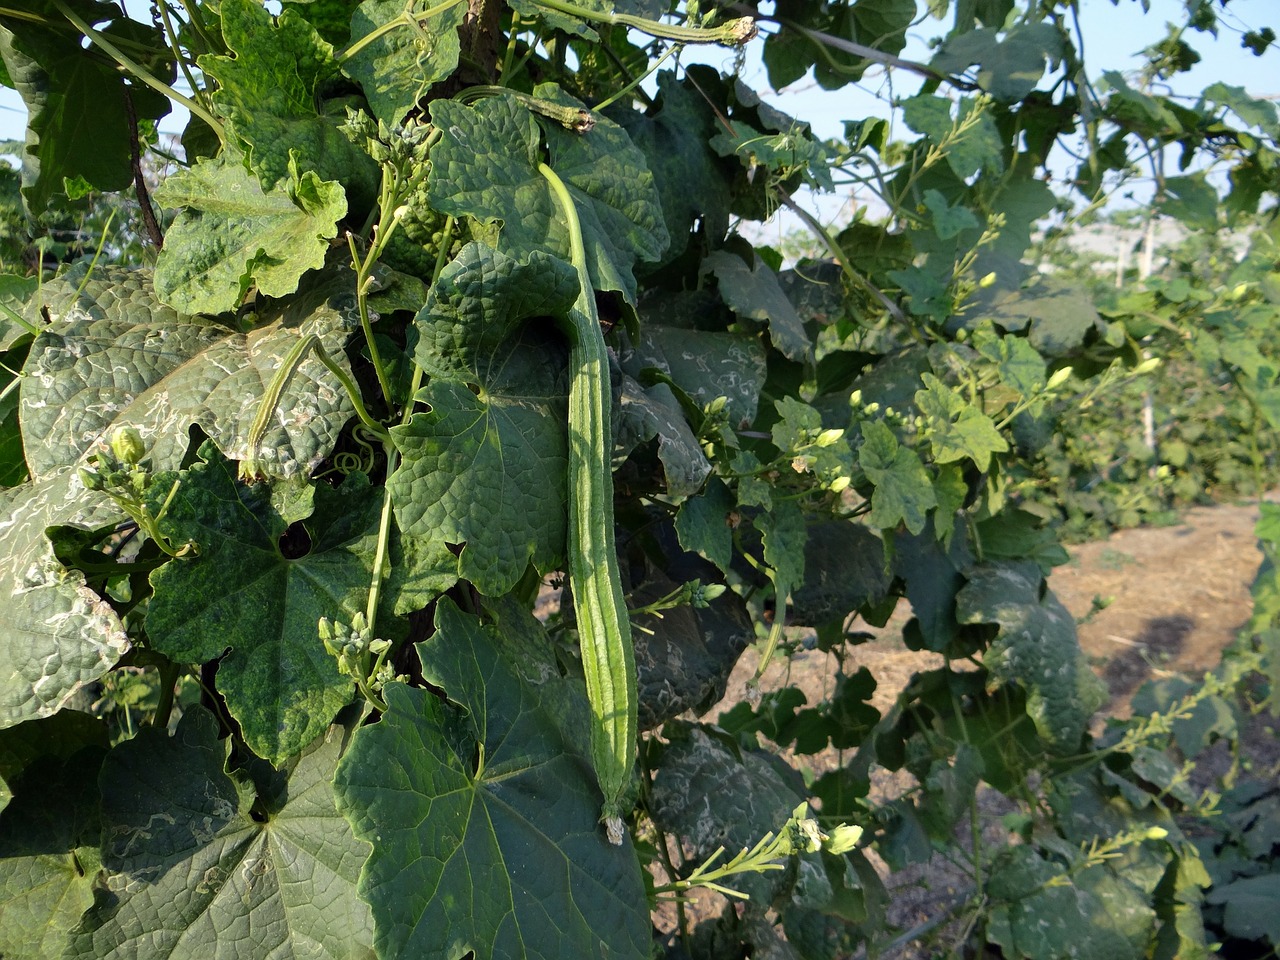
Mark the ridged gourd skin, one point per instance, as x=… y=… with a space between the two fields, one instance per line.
x=604 y=629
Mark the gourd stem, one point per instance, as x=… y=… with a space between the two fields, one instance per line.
x=734 y=33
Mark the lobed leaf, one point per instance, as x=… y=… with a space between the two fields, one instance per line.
x=270 y=91
x=486 y=166
x=233 y=234
x=243 y=597
x=486 y=468
x=1036 y=648
x=483 y=812
x=398 y=68
x=200 y=864
x=112 y=356
x=56 y=634
x=77 y=119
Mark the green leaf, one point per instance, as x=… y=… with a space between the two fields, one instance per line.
x=978 y=148
x=783 y=532
x=957 y=430
x=703 y=524
x=483 y=811
x=1250 y=907
x=689 y=176
x=1096 y=916
x=1010 y=67
x=903 y=491
x=61 y=735
x=486 y=468
x=232 y=234
x=753 y=292
x=112 y=356
x=201 y=864
x=481 y=300
x=705 y=364
x=56 y=634
x=787 y=153
x=948 y=221
x=398 y=68
x=77 y=125
x=241 y=592
x=15 y=292
x=928 y=292
x=1036 y=648
x=684 y=656
x=48 y=860
x=270 y=92
x=486 y=166
x=655 y=412
x=845 y=568
x=1253 y=111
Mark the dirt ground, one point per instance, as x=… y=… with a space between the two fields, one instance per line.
x=1150 y=602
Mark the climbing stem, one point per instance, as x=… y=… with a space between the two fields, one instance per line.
x=733 y=33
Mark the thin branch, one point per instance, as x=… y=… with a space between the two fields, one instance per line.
x=140 y=181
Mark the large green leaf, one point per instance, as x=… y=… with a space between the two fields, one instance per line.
x=753 y=292
x=690 y=177
x=957 y=430
x=78 y=124
x=233 y=234
x=242 y=593
x=270 y=93
x=486 y=467
x=705 y=364
x=844 y=564
x=483 y=812
x=1094 y=916
x=56 y=634
x=486 y=166
x=903 y=491
x=398 y=68
x=48 y=857
x=201 y=865
x=645 y=413
x=1011 y=66
x=1036 y=648
x=112 y=355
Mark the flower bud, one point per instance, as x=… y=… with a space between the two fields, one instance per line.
x=126 y=444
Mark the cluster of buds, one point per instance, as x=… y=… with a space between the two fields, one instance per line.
x=353 y=647
x=804 y=835
x=120 y=471
x=699 y=595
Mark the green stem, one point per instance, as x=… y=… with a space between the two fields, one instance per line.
x=380 y=561
x=734 y=33
x=97 y=254
x=571 y=118
x=362 y=269
x=172 y=37
x=405 y=19
x=675 y=48
x=169 y=674
x=136 y=70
